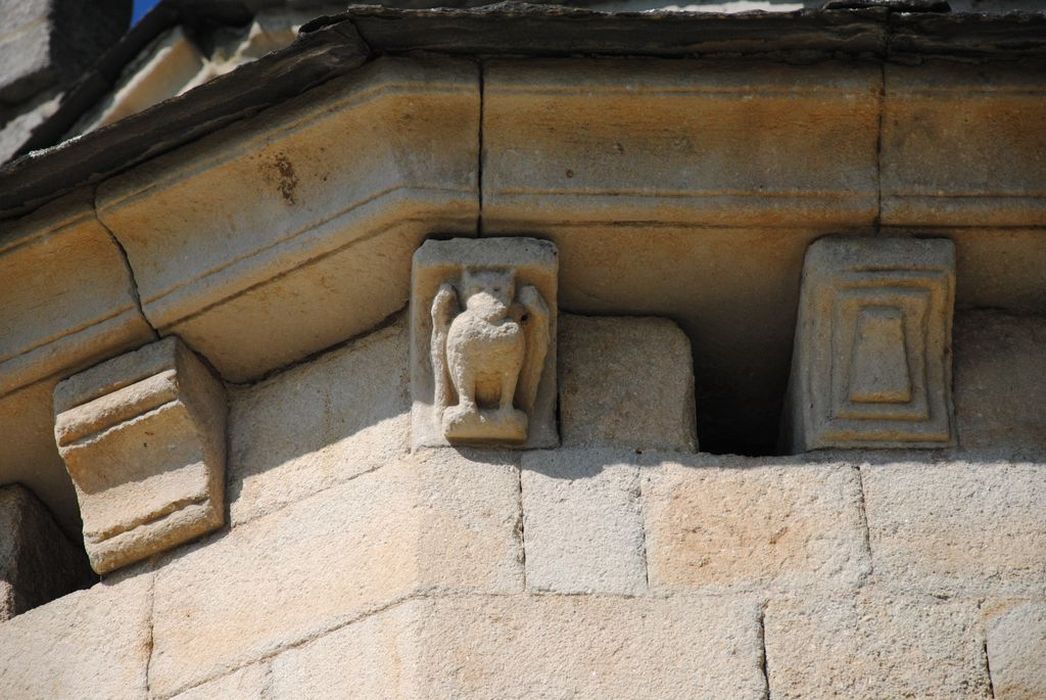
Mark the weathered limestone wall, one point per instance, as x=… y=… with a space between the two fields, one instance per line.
x=352 y=559
x=686 y=189
x=351 y=567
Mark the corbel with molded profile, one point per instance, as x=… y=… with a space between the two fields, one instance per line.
x=143 y=439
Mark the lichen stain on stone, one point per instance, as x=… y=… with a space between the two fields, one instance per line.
x=286 y=178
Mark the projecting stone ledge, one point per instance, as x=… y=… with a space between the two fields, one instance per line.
x=143 y=438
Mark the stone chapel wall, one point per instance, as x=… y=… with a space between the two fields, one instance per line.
x=620 y=564
x=249 y=385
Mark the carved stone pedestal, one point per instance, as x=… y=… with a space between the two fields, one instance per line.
x=483 y=342
x=143 y=438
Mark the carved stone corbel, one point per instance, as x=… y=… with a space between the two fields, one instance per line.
x=143 y=438
x=483 y=314
x=872 y=363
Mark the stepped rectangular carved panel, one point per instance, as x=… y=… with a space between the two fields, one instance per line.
x=143 y=438
x=483 y=342
x=872 y=359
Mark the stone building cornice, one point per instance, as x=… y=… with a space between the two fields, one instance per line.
x=331 y=46
x=273 y=212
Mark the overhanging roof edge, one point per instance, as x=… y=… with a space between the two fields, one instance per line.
x=332 y=46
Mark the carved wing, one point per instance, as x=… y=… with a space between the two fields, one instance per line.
x=444 y=309
x=536 y=334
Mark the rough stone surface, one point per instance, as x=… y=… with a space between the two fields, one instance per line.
x=350 y=174
x=89 y=644
x=372 y=658
x=1017 y=652
x=552 y=646
x=483 y=342
x=950 y=528
x=37 y=562
x=143 y=438
x=733 y=523
x=351 y=414
x=872 y=360
x=626 y=382
x=438 y=521
x=871 y=648
x=247 y=683
x=1000 y=382
x=582 y=524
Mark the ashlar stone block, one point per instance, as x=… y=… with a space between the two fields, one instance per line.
x=439 y=522
x=626 y=382
x=37 y=562
x=1016 y=649
x=527 y=646
x=871 y=365
x=731 y=524
x=957 y=528
x=582 y=522
x=1000 y=382
x=669 y=141
x=955 y=144
x=143 y=438
x=868 y=648
x=319 y=424
x=88 y=644
x=483 y=342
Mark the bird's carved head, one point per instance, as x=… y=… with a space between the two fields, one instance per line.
x=488 y=293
